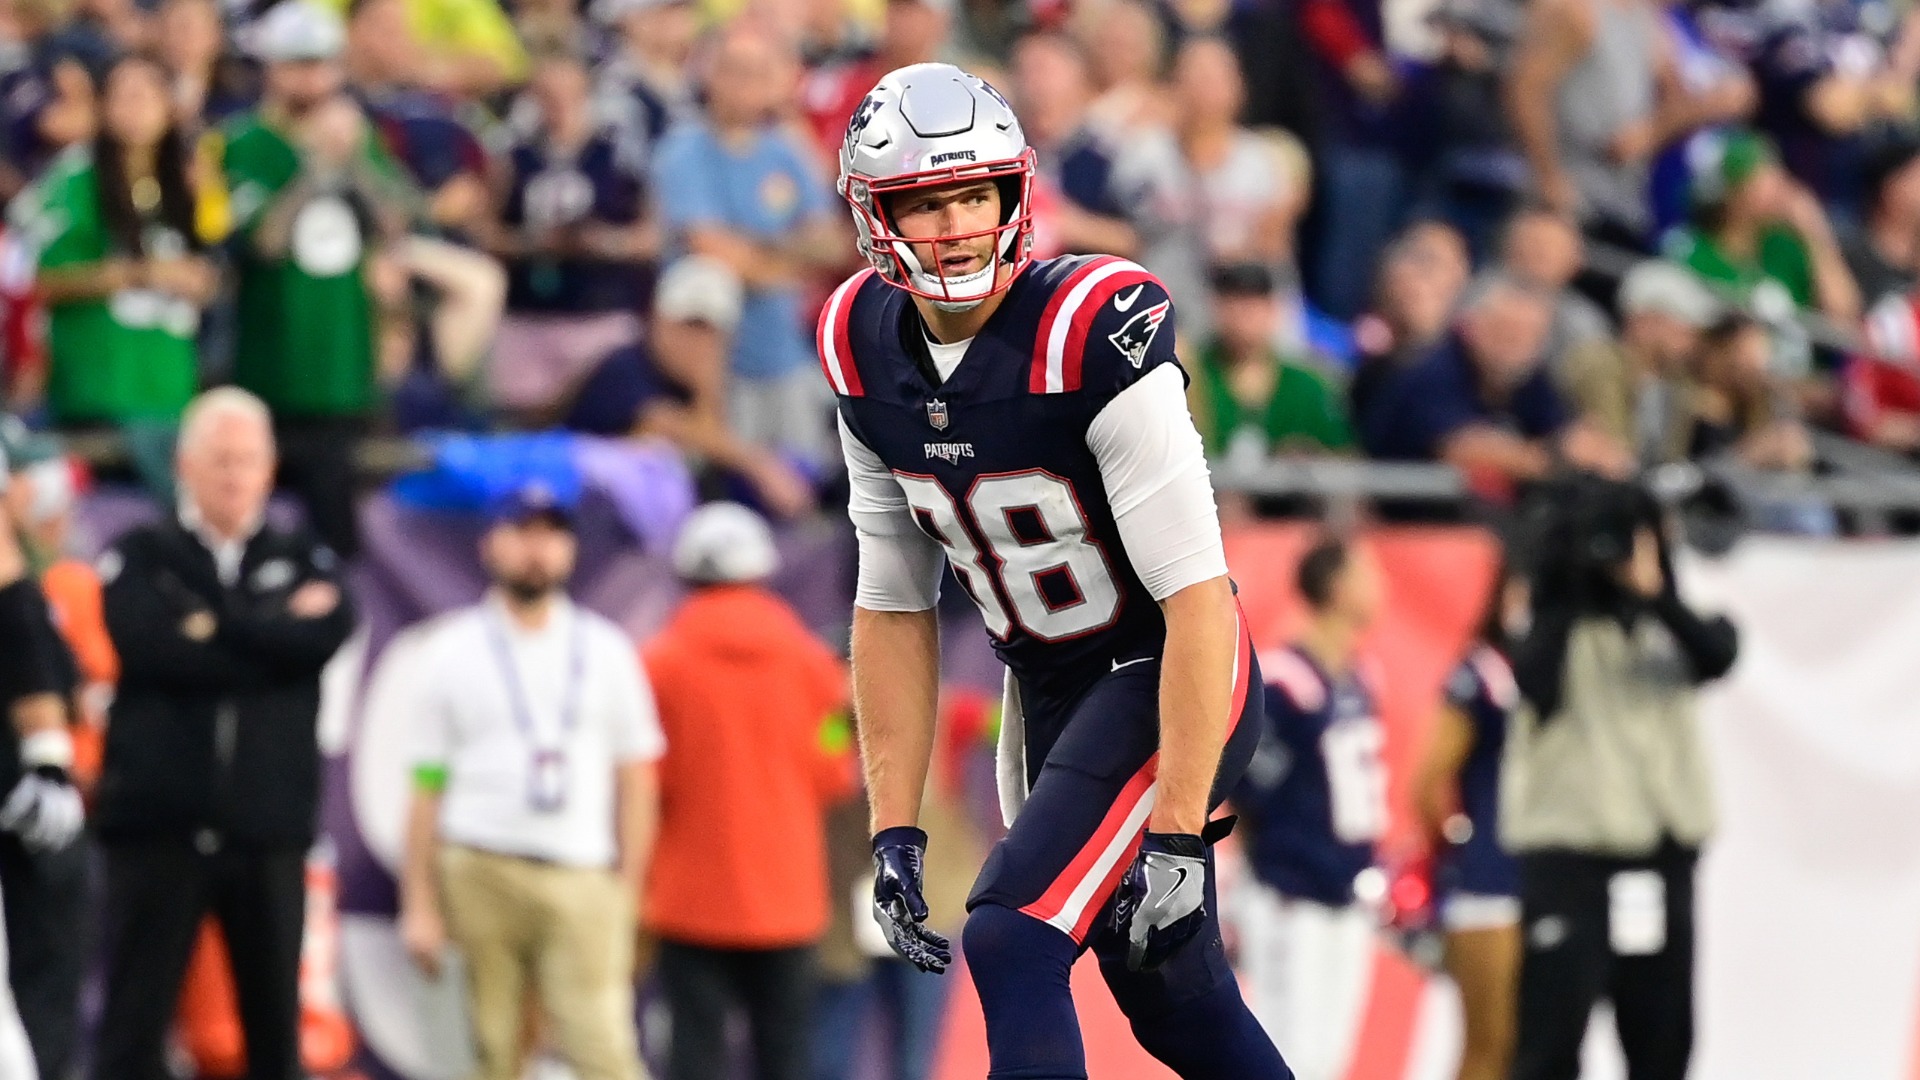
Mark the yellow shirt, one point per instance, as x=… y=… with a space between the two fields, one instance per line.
x=467 y=27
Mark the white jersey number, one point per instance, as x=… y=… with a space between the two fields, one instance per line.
x=1356 y=779
x=1037 y=549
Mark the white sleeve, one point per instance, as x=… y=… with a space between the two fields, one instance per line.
x=1155 y=471
x=636 y=734
x=899 y=565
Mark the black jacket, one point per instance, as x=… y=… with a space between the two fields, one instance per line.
x=33 y=660
x=215 y=734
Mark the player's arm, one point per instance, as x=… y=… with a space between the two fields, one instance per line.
x=896 y=639
x=1155 y=472
x=896 y=676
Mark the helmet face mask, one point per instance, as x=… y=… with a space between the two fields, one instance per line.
x=932 y=126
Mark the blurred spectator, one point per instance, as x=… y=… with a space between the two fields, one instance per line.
x=1250 y=402
x=1314 y=800
x=1639 y=389
x=1472 y=171
x=575 y=240
x=1594 y=95
x=1481 y=401
x=421 y=129
x=1051 y=90
x=1759 y=233
x=1272 y=51
x=828 y=32
x=207 y=85
x=212 y=781
x=1883 y=253
x=674 y=385
x=534 y=804
x=753 y=709
x=1738 y=408
x=1361 y=198
x=315 y=199
x=48 y=102
x=1128 y=44
x=42 y=814
x=122 y=273
x=1828 y=86
x=1545 y=247
x=911 y=32
x=1214 y=191
x=466 y=49
x=554 y=28
x=1883 y=382
x=740 y=188
x=645 y=84
x=123 y=24
x=1421 y=277
x=46 y=890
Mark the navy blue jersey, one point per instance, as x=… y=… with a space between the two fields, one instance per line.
x=1315 y=797
x=1484 y=691
x=994 y=461
x=601 y=184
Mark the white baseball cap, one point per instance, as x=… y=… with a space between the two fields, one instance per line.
x=699 y=288
x=724 y=543
x=1660 y=287
x=297 y=30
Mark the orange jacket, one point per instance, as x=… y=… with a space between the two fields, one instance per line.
x=73 y=595
x=747 y=698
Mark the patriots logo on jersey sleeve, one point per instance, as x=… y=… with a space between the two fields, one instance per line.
x=1133 y=338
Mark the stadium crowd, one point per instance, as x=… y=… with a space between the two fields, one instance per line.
x=1496 y=236
x=1404 y=231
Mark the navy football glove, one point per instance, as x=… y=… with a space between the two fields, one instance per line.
x=1161 y=903
x=898 y=905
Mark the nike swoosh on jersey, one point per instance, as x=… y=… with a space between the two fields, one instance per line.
x=1125 y=303
x=1117 y=665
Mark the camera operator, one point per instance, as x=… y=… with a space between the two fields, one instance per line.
x=1605 y=797
x=41 y=809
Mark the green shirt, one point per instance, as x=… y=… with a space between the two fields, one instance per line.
x=129 y=356
x=1304 y=410
x=305 y=333
x=1782 y=257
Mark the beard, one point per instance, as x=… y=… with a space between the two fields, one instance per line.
x=528 y=588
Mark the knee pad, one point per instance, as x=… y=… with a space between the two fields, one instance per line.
x=996 y=936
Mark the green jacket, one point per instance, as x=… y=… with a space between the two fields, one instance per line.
x=125 y=357
x=306 y=323
x=1304 y=409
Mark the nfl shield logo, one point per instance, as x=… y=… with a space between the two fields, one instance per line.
x=937 y=414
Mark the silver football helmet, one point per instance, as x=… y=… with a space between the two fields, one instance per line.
x=931 y=125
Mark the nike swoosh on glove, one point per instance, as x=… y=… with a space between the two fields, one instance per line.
x=44 y=809
x=1161 y=903
x=898 y=905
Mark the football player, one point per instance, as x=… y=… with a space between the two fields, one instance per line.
x=1315 y=800
x=1028 y=421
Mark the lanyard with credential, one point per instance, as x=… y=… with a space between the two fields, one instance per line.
x=547 y=777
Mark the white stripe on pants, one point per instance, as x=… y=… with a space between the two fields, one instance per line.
x=16 y=1055
x=1306 y=967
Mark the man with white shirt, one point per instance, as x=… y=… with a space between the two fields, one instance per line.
x=210 y=790
x=534 y=804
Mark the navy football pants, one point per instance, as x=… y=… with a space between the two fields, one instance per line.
x=1045 y=896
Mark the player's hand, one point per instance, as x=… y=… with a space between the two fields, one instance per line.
x=1161 y=903
x=44 y=809
x=898 y=905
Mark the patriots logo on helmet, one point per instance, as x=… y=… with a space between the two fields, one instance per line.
x=1133 y=338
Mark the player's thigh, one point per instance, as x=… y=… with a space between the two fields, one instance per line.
x=1081 y=824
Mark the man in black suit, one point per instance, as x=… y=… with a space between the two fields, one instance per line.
x=212 y=778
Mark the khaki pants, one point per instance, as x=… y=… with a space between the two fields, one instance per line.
x=564 y=932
